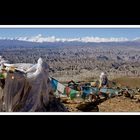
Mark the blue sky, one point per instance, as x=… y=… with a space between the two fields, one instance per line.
x=129 y=33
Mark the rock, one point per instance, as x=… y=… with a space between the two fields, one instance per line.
x=31 y=94
x=88 y=107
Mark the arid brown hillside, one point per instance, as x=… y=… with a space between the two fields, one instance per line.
x=80 y=63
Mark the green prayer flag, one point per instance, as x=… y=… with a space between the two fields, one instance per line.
x=73 y=93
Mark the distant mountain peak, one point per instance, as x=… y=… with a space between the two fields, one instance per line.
x=137 y=39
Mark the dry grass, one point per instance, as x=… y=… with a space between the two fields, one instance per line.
x=131 y=82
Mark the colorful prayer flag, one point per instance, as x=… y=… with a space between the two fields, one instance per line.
x=54 y=84
x=60 y=87
x=67 y=91
x=73 y=93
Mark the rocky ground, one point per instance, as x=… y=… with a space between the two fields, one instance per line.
x=120 y=104
x=116 y=104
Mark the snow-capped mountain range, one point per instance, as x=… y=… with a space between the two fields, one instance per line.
x=40 y=39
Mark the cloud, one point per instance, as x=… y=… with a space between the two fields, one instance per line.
x=40 y=38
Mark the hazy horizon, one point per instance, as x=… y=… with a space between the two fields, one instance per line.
x=129 y=33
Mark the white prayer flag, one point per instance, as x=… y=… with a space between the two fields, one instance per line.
x=60 y=87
